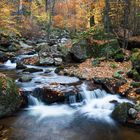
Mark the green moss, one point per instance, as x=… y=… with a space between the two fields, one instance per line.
x=9 y=97
x=113 y=65
x=96 y=62
x=135 y=84
x=118 y=75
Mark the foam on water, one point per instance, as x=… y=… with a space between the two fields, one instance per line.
x=9 y=64
x=96 y=104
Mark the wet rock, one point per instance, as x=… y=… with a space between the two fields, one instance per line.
x=59 y=69
x=31 y=53
x=32 y=70
x=10 y=99
x=115 y=102
x=55 y=93
x=20 y=65
x=120 y=112
x=132 y=112
x=31 y=60
x=25 y=78
x=111 y=85
x=46 y=61
x=48 y=71
x=58 y=61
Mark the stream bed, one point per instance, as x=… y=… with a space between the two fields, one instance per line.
x=88 y=119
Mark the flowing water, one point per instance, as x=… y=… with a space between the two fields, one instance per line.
x=88 y=119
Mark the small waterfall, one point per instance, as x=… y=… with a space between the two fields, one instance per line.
x=9 y=64
x=90 y=95
x=72 y=99
x=33 y=101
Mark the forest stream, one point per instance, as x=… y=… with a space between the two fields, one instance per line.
x=86 y=119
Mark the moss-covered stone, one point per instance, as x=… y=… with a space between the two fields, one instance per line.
x=10 y=99
x=120 y=113
x=135 y=84
x=25 y=78
x=133 y=74
x=119 y=57
x=135 y=58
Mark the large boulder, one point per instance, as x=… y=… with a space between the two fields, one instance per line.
x=56 y=93
x=10 y=99
x=79 y=51
x=121 y=112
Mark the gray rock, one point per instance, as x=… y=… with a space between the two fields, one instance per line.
x=24 y=45
x=47 y=61
x=58 y=61
x=25 y=78
x=78 y=53
x=132 y=112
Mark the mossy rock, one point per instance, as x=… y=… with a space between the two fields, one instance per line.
x=135 y=58
x=10 y=99
x=96 y=62
x=134 y=74
x=135 y=84
x=119 y=57
x=118 y=75
x=120 y=113
x=25 y=78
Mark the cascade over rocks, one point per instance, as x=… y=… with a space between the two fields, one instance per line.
x=55 y=93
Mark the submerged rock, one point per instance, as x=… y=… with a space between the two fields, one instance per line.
x=32 y=70
x=10 y=99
